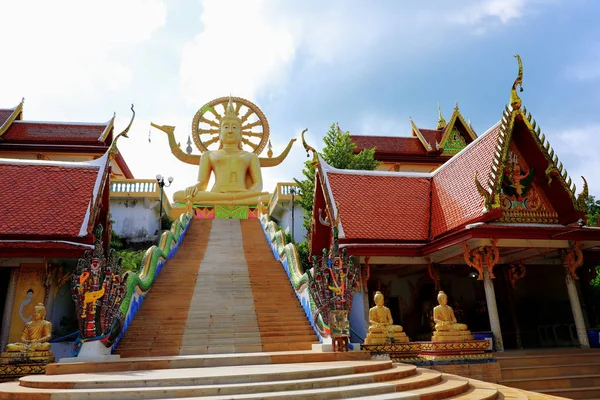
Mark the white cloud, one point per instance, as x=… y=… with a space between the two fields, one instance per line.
x=66 y=47
x=239 y=51
x=480 y=15
x=576 y=150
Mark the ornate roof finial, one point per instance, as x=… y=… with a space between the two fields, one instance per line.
x=441 y=121
x=515 y=100
x=269 y=149
x=456 y=106
x=113 y=147
x=307 y=147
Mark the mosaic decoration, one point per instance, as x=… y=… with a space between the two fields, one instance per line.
x=98 y=288
x=455 y=143
x=333 y=280
x=454 y=348
x=10 y=372
x=519 y=198
x=396 y=350
x=204 y=213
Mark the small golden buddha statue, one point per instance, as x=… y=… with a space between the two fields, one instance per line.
x=238 y=179
x=381 y=325
x=446 y=326
x=36 y=335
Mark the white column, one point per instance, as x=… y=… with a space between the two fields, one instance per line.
x=576 y=308
x=8 y=307
x=490 y=297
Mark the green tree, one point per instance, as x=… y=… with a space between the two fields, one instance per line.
x=593 y=213
x=339 y=153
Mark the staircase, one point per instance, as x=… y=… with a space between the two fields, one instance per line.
x=571 y=373
x=283 y=375
x=223 y=292
x=223 y=322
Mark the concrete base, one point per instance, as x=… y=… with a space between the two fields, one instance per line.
x=92 y=352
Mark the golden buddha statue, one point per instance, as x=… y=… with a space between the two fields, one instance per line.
x=238 y=179
x=381 y=325
x=446 y=326
x=36 y=334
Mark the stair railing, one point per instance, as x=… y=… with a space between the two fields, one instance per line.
x=287 y=255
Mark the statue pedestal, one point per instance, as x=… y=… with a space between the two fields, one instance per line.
x=93 y=351
x=455 y=350
x=219 y=211
x=451 y=336
x=14 y=365
x=402 y=352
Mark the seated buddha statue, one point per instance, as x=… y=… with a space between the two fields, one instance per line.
x=36 y=334
x=238 y=179
x=446 y=326
x=381 y=325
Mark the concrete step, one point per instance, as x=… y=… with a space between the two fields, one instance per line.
x=214 y=360
x=549 y=371
x=562 y=382
x=224 y=375
x=573 y=393
x=590 y=357
x=448 y=387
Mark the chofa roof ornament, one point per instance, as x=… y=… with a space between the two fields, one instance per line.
x=515 y=100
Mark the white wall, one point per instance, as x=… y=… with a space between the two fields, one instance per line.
x=286 y=222
x=134 y=218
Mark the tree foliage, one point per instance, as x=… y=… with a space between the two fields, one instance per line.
x=593 y=213
x=339 y=153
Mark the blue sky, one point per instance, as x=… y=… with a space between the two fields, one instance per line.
x=367 y=65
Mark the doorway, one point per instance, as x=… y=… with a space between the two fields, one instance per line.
x=4 y=282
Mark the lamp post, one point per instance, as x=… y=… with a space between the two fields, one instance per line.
x=161 y=184
x=293 y=193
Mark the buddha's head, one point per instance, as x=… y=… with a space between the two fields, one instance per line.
x=378 y=298
x=442 y=298
x=39 y=312
x=230 y=128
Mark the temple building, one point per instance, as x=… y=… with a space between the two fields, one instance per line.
x=493 y=220
x=56 y=179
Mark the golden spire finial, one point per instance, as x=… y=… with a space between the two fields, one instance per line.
x=230 y=112
x=515 y=100
x=456 y=106
x=441 y=121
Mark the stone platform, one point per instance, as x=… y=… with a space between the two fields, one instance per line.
x=303 y=374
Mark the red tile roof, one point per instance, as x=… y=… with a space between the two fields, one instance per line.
x=410 y=145
x=432 y=136
x=455 y=200
x=5 y=115
x=381 y=206
x=43 y=132
x=44 y=198
x=402 y=207
x=29 y=244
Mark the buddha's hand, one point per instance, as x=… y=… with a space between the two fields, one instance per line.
x=191 y=191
